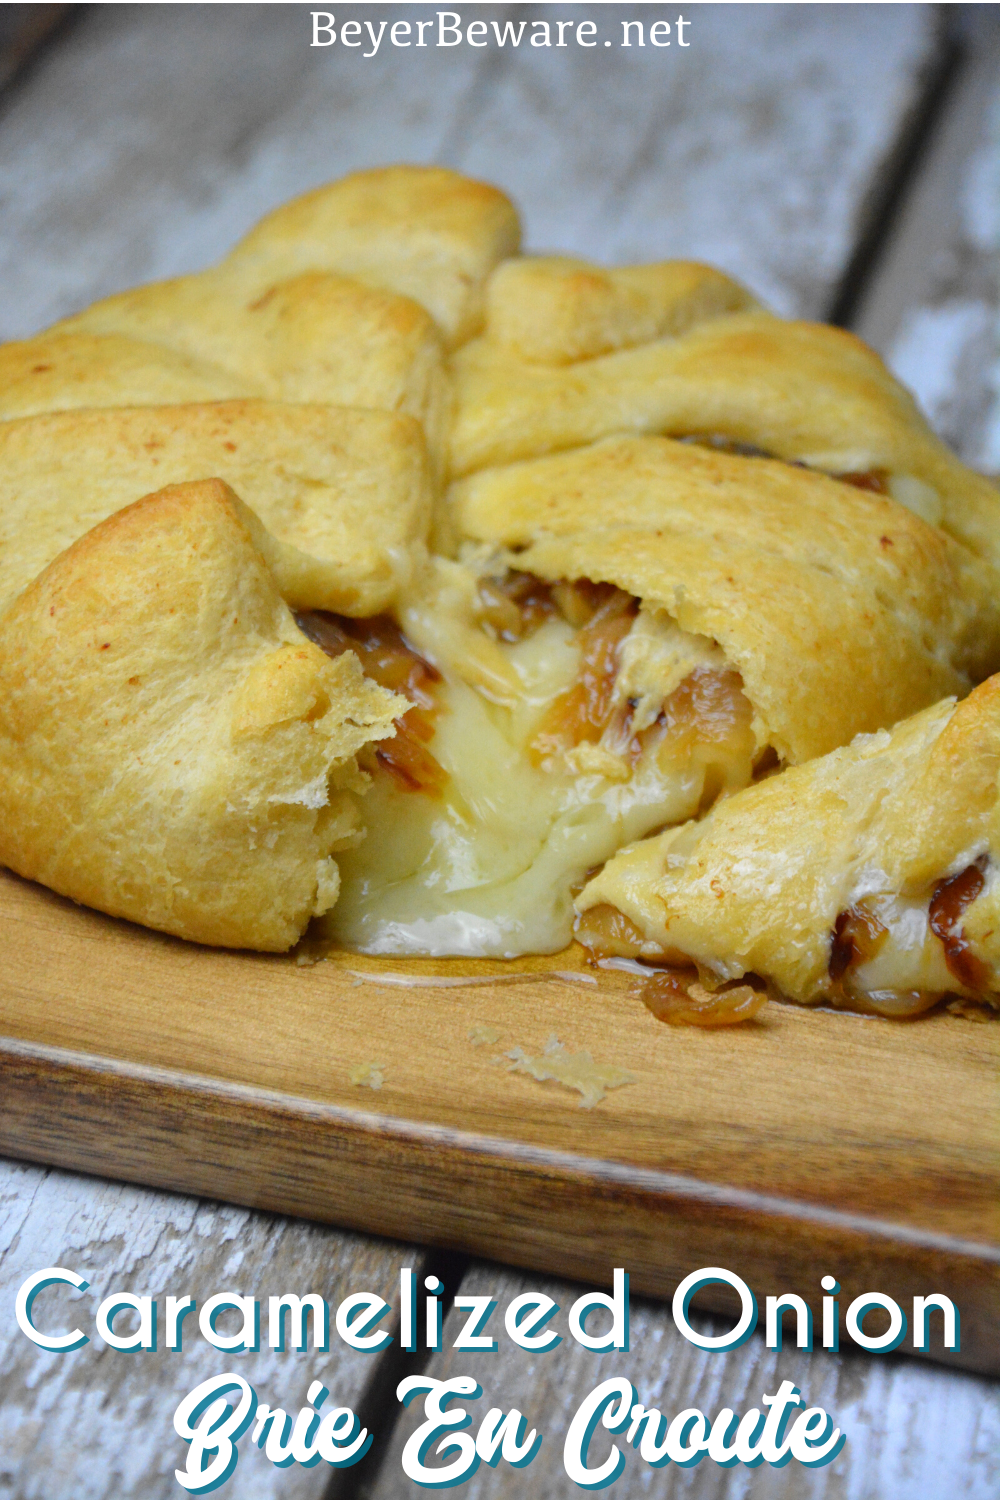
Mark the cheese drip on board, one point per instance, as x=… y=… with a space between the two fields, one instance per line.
x=567 y=721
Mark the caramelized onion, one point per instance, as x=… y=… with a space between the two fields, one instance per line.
x=709 y=706
x=582 y=713
x=605 y=930
x=515 y=605
x=948 y=904
x=721 y=444
x=388 y=659
x=677 y=997
x=857 y=936
x=875 y=480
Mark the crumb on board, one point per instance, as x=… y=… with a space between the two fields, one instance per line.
x=573 y=1070
x=367 y=1075
x=970 y=1010
x=484 y=1036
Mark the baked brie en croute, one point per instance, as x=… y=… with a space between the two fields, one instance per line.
x=867 y=878
x=532 y=560
x=172 y=749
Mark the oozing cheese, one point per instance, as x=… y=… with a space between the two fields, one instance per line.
x=908 y=972
x=489 y=867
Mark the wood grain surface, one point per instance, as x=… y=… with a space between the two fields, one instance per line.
x=804 y=1139
x=909 y=1427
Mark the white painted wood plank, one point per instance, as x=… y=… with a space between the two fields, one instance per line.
x=155 y=135
x=933 y=308
x=97 y=1423
x=913 y=1431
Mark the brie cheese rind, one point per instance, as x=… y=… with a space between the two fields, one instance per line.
x=802 y=392
x=172 y=750
x=867 y=878
x=345 y=496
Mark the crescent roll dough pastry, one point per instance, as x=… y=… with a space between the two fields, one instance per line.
x=344 y=494
x=801 y=392
x=172 y=749
x=424 y=232
x=868 y=877
x=60 y=371
x=313 y=338
x=332 y=298
x=554 y=310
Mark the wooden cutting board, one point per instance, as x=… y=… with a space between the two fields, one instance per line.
x=802 y=1144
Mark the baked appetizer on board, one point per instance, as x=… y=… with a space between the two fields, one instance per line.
x=468 y=584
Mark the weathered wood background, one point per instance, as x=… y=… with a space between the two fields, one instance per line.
x=843 y=161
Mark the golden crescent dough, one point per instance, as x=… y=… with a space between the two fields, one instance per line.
x=172 y=749
x=841 y=610
x=758 y=885
x=344 y=494
x=424 y=232
x=802 y=392
x=64 y=371
x=314 y=337
x=553 y=309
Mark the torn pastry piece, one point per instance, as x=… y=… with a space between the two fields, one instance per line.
x=748 y=382
x=424 y=232
x=867 y=879
x=583 y=680
x=344 y=495
x=313 y=337
x=172 y=749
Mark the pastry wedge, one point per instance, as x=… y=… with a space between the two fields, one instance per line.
x=344 y=495
x=867 y=879
x=172 y=749
x=342 y=296
x=424 y=232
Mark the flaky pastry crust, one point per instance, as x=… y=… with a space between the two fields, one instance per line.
x=344 y=495
x=172 y=749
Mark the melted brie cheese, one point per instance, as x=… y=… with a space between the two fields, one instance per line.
x=489 y=867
